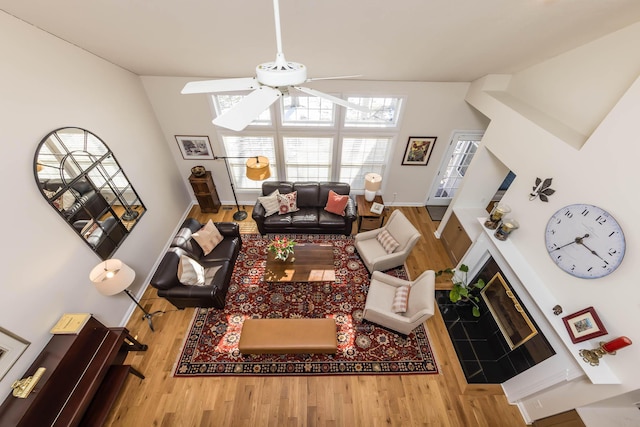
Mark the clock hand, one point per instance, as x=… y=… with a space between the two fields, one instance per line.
x=592 y=251
x=576 y=240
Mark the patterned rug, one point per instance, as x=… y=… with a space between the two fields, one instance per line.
x=211 y=347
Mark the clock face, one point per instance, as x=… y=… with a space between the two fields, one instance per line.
x=585 y=241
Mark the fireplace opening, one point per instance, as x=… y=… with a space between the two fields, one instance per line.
x=514 y=323
x=489 y=352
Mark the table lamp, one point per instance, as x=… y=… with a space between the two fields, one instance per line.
x=372 y=183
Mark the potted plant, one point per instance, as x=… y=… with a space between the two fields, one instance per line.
x=463 y=291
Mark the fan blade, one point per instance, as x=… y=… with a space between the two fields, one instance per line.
x=334 y=77
x=333 y=99
x=247 y=110
x=222 y=85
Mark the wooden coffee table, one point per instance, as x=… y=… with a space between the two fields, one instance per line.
x=310 y=262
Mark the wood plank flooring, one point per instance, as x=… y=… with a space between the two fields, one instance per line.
x=368 y=401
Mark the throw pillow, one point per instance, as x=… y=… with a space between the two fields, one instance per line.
x=401 y=299
x=336 y=203
x=387 y=241
x=288 y=202
x=68 y=199
x=57 y=202
x=190 y=272
x=208 y=237
x=270 y=203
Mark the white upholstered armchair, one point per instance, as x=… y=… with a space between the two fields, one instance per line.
x=420 y=305
x=372 y=252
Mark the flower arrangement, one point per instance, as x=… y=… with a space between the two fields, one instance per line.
x=281 y=247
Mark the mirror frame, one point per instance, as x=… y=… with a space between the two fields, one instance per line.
x=80 y=178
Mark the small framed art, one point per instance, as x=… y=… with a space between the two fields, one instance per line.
x=11 y=348
x=377 y=208
x=584 y=325
x=194 y=147
x=418 y=150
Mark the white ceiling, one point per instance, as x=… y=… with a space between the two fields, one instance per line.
x=406 y=40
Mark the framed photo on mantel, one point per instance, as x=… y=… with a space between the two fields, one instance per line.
x=584 y=325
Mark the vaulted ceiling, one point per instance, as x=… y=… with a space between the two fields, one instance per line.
x=406 y=40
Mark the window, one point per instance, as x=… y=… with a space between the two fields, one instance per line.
x=308 y=159
x=312 y=139
x=385 y=113
x=307 y=111
x=361 y=156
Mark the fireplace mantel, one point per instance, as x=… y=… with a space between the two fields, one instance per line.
x=541 y=296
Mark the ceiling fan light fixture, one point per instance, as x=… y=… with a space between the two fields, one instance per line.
x=273 y=80
x=274 y=74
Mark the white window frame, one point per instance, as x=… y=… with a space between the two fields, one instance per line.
x=338 y=131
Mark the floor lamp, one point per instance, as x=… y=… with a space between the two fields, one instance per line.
x=257 y=169
x=113 y=276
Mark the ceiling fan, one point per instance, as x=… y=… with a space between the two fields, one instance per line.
x=272 y=81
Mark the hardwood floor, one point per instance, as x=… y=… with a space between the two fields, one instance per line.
x=407 y=400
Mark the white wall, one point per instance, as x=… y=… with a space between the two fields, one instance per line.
x=46 y=84
x=431 y=109
x=603 y=172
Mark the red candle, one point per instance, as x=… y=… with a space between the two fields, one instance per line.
x=616 y=344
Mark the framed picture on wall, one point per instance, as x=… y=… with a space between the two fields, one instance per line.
x=11 y=348
x=194 y=147
x=584 y=325
x=418 y=150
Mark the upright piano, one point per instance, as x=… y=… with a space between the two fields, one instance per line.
x=84 y=374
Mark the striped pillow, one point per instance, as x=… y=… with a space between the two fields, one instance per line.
x=401 y=299
x=270 y=203
x=387 y=241
x=190 y=272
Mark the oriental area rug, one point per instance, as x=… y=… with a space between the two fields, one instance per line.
x=211 y=347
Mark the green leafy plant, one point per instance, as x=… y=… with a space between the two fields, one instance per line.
x=462 y=290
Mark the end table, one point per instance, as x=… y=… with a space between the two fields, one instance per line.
x=368 y=220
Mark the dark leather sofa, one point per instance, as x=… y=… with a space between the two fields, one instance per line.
x=213 y=294
x=311 y=218
x=89 y=203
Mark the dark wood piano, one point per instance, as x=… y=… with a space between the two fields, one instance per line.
x=84 y=374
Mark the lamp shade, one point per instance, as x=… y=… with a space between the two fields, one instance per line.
x=258 y=168
x=372 y=183
x=112 y=276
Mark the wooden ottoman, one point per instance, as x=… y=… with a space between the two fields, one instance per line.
x=286 y=336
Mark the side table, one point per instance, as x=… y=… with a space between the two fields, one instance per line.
x=368 y=220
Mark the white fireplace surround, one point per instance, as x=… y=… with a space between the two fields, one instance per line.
x=566 y=364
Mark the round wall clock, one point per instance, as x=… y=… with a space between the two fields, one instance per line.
x=585 y=241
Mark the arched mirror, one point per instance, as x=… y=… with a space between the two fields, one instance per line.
x=82 y=181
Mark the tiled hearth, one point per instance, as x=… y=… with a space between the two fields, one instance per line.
x=484 y=353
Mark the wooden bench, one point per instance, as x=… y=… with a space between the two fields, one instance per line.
x=288 y=336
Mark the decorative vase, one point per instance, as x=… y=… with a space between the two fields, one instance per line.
x=284 y=256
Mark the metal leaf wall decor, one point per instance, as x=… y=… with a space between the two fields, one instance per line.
x=542 y=189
